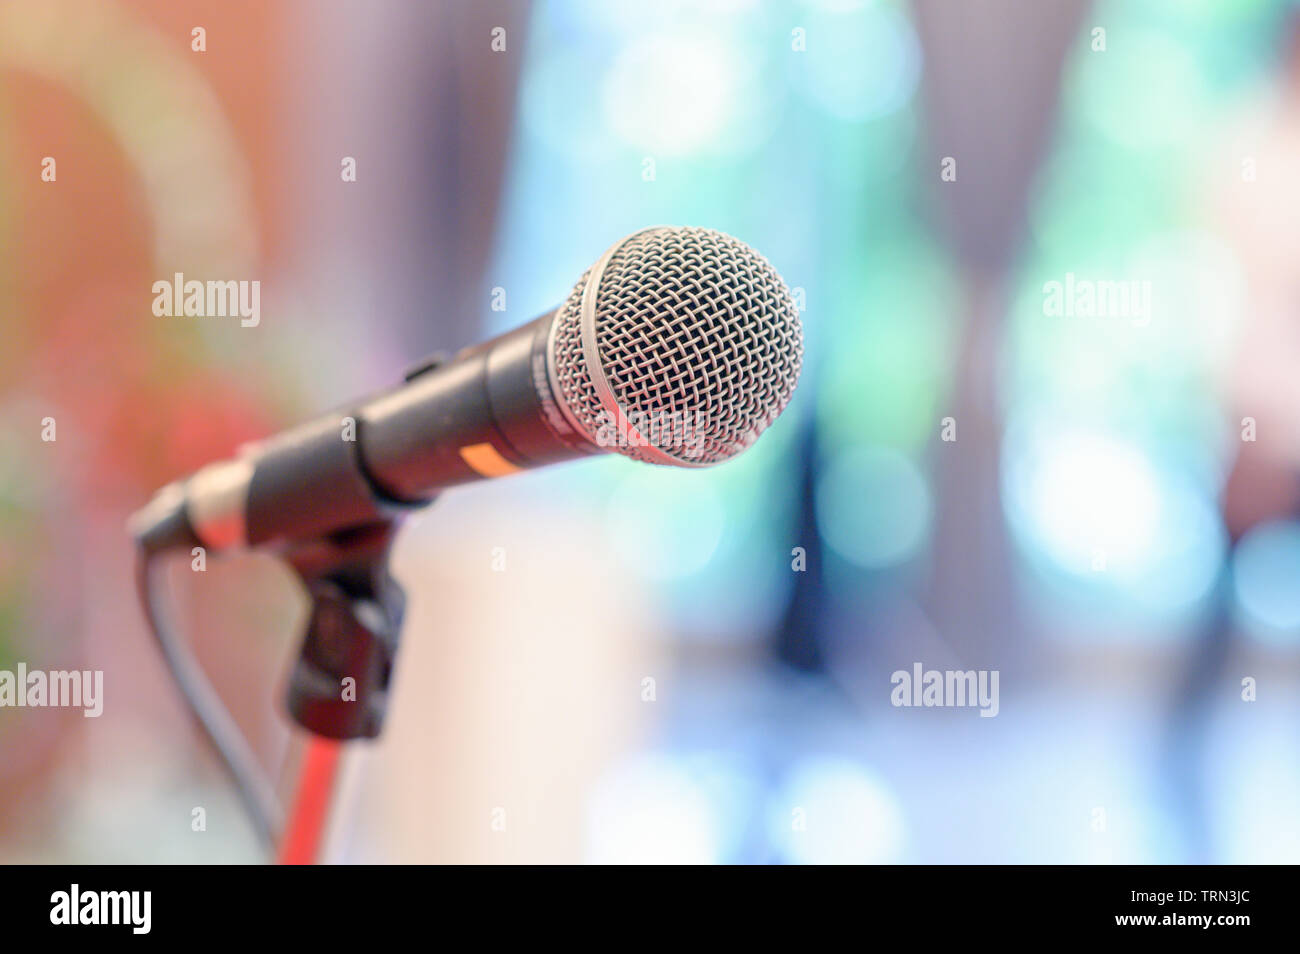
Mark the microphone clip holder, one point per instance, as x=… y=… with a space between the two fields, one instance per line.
x=338 y=687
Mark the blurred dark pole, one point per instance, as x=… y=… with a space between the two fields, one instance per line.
x=800 y=638
x=1183 y=763
x=991 y=87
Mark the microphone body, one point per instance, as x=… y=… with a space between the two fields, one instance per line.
x=487 y=412
x=679 y=346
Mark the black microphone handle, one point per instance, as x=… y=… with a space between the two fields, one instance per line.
x=487 y=412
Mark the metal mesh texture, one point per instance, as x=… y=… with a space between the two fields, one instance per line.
x=699 y=339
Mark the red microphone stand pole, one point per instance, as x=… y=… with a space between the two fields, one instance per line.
x=305 y=827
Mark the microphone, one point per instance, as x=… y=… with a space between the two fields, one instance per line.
x=680 y=346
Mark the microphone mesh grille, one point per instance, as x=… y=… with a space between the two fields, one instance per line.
x=698 y=337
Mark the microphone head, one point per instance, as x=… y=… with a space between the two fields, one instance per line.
x=679 y=346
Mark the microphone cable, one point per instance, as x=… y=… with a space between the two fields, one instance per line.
x=255 y=788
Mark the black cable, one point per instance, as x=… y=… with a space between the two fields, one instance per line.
x=255 y=788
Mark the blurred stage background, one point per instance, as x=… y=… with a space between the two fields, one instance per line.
x=1098 y=532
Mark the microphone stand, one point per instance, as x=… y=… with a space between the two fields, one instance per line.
x=338 y=687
